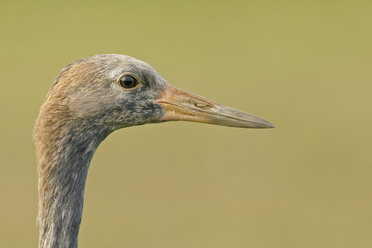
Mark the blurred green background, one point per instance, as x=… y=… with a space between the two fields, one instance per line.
x=303 y=65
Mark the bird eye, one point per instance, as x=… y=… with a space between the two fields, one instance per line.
x=128 y=82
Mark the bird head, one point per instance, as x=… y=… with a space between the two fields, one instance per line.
x=117 y=91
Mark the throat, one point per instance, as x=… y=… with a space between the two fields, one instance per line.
x=63 y=162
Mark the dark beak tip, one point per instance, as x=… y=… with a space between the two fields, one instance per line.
x=260 y=123
x=270 y=125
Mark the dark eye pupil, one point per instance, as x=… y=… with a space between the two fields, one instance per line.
x=128 y=82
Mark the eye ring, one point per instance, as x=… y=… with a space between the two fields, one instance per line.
x=128 y=81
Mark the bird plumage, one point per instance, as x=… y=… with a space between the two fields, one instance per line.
x=85 y=104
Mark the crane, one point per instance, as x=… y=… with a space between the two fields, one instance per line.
x=91 y=98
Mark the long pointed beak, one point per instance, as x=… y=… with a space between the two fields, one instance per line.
x=184 y=106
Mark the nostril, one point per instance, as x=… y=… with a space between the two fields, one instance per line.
x=203 y=105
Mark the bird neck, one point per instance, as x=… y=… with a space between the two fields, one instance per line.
x=64 y=152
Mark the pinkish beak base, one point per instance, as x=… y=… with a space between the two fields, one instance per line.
x=184 y=106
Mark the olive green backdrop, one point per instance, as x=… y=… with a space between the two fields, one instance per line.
x=306 y=66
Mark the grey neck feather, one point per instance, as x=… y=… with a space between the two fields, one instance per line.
x=63 y=197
